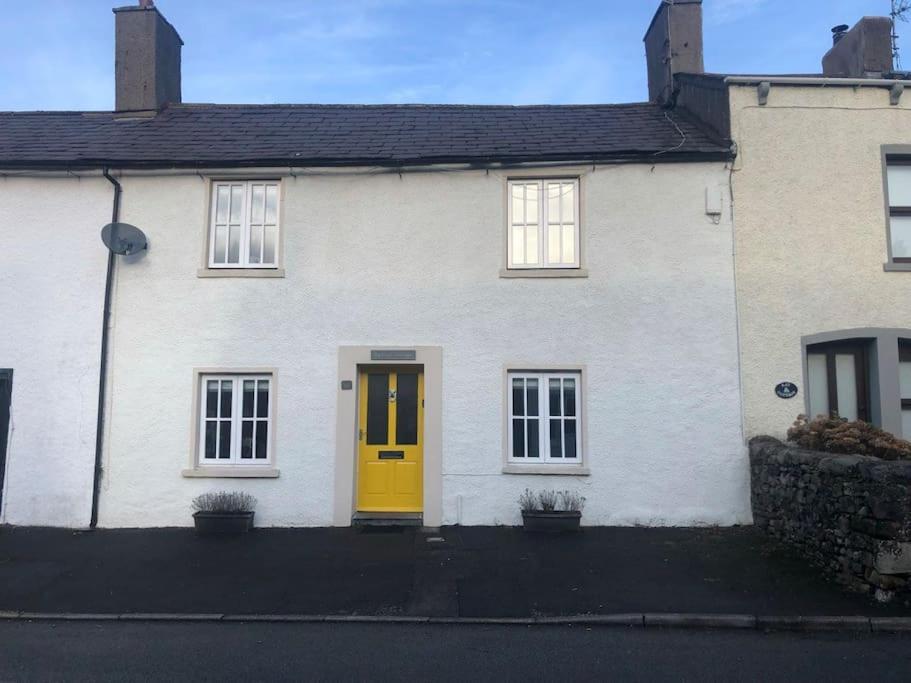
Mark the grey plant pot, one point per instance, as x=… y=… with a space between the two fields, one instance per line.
x=222 y=523
x=553 y=522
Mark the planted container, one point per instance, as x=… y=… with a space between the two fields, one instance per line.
x=222 y=523
x=551 y=512
x=551 y=522
x=223 y=513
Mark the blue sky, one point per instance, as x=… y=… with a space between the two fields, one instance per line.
x=58 y=54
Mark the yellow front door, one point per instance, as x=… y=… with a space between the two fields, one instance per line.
x=390 y=467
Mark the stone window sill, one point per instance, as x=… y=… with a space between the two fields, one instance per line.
x=543 y=272
x=897 y=267
x=232 y=473
x=562 y=470
x=240 y=272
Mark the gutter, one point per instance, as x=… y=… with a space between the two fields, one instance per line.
x=103 y=365
x=819 y=80
x=273 y=167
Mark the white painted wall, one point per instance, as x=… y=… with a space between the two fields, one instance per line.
x=384 y=260
x=810 y=230
x=52 y=270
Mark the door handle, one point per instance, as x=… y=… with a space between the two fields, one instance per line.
x=360 y=434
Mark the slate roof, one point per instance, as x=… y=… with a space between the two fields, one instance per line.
x=332 y=135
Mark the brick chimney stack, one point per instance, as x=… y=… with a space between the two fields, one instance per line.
x=146 y=59
x=863 y=52
x=673 y=44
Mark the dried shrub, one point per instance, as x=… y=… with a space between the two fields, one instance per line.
x=224 y=501
x=838 y=435
x=547 y=500
x=528 y=501
x=572 y=501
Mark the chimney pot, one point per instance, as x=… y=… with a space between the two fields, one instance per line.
x=838 y=32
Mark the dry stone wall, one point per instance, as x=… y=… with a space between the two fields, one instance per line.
x=849 y=514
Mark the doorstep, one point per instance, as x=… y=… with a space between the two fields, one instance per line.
x=387 y=519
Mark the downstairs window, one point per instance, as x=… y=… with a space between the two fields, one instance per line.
x=235 y=420
x=544 y=417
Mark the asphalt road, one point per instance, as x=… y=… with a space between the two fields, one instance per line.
x=48 y=651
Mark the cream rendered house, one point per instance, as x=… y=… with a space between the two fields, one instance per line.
x=353 y=312
x=821 y=193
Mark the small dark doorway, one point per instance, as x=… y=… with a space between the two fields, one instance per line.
x=6 y=394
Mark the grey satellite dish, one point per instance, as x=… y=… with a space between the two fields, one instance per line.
x=123 y=238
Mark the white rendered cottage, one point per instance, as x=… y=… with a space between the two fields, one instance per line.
x=367 y=310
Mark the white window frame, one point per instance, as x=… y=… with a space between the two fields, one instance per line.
x=236 y=419
x=543 y=261
x=544 y=418
x=246 y=224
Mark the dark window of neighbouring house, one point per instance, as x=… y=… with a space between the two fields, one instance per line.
x=904 y=376
x=837 y=374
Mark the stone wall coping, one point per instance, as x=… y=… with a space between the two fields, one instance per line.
x=866 y=466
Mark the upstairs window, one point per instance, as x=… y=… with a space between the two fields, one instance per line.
x=837 y=379
x=543 y=224
x=899 y=192
x=244 y=226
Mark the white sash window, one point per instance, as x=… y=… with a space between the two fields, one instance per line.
x=244 y=224
x=543 y=224
x=544 y=417
x=235 y=419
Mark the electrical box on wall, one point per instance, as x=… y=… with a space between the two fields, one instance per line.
x=714 y=203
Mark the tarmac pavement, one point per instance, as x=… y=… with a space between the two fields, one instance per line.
x=475 y=572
